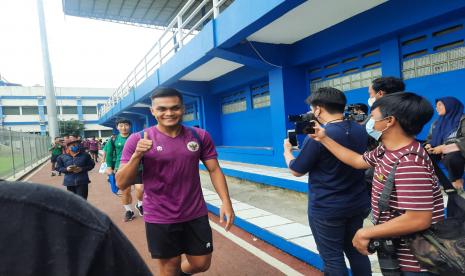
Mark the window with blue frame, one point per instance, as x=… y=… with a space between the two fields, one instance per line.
x=347 y=73
x=189 y=113
x=435 y=50
x=11 y=110
x=234 y=103
x=89 y=110
x=260 y=96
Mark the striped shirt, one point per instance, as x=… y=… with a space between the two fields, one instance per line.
x=416 y=187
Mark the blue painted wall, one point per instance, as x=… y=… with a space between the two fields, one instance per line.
x=251 y=127
x=440 y=85
x=262 y=130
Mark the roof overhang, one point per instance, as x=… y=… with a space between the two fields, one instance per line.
x=148 y=13
x=310 y=18
x=212 y=69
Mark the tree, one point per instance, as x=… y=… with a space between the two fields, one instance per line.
x=70 y=127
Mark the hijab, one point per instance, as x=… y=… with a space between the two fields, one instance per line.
x=447 y=123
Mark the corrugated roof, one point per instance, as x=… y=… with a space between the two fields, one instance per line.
x=148 y=13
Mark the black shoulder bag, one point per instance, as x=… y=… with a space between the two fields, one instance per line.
x=440 y=248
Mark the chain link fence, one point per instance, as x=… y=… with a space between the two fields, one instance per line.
x=20 y=151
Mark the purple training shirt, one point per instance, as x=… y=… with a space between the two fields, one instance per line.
x=92 y=144
x=172 y=191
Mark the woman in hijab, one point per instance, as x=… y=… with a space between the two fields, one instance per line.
x=447 y=138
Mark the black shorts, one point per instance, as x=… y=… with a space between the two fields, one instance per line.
x=192 y=237
x=93 y=151
x=54 y=158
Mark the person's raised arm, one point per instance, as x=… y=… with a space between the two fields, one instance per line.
x=344 y=154
x=127 y=171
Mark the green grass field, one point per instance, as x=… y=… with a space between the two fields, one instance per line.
x=6 y=162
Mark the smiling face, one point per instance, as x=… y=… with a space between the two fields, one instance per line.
x=123 y=129
x=168 y=111
x=440 y=108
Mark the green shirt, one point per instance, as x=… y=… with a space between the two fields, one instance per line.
x=114 y=150
x=56 y=149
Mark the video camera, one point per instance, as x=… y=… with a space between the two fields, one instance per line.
x=352 y=112
x=303 y=123
x=387 y=256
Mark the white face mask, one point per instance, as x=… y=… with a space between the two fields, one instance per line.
x=371 y=101
x=376 y=134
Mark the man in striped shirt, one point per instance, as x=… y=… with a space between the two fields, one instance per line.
x=416 y=201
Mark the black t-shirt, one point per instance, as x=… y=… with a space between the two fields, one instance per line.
x=335 y=189
x=46 y=231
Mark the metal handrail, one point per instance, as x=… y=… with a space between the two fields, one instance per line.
x=160 y=51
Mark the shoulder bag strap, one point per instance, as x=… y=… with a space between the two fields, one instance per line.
x=383 y=202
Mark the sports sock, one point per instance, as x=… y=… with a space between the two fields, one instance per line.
x=139 y=203
x=127 y=207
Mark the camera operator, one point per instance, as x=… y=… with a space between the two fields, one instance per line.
x=357 y=112
x=416 y=201
x=338 y=199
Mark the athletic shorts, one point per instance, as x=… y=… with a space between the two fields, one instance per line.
x=192 y=237
x=54 y=158
x=93 y=151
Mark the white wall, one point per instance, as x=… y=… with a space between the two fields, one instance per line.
x=21 y=118
x=59 y=91
x=25 y=128
x=78 y=92
x=95 y=127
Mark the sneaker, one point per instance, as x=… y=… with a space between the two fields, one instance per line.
x=128 y=216
x=140 y=209
x=53 y=173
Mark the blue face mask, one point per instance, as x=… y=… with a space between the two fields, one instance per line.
x=74 y=148
x=376 y=134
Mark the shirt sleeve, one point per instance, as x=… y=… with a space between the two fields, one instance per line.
x=371 y=156
x=60 y=166
x=109 y=155
x=208 y=148
x=414 y=185
x=307 y=158
x=129 y=148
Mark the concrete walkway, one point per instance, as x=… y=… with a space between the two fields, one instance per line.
x=276 y=211
x=236 y=252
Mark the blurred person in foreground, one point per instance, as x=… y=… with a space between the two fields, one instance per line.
x=55 y=233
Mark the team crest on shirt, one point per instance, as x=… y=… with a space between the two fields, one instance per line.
x=380 y=177
x=193 y=146
x=159 y=148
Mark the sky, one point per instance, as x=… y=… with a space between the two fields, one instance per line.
x=83 y=52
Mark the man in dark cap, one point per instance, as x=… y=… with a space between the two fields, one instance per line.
x=75 y=164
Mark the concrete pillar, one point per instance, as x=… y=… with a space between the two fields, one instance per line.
x=1 y=112
x=210 y=113
x=288 y=91
x=40 y=104
x=390 y=58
